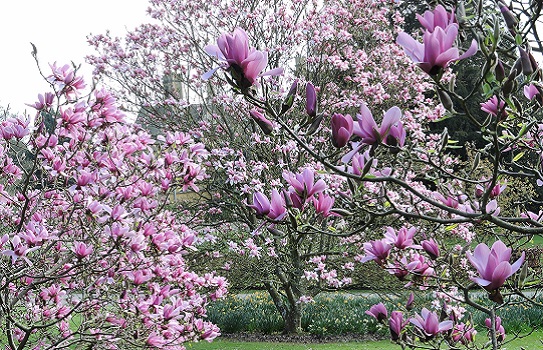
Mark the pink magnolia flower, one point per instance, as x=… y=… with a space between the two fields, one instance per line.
x=275 y=209
x=19 y=251
x=454 y=201
x=390 y=126
x=437 y=50
x=342 y=129
x=155 y=340
x=244 y=63
x=428 y=322
x=463 y=333
x=437 y=18
x=419 y=265
x=303 y=183
x=277 y=206
x=85 y=178
x=431 y=248
x=500 y=331
x=44 y=101
x=494 y=107
x=396 y=324
x=294 y=199
x=378 y=311
x=410 y=300
x=377 y=251
x=495 y=192
x=14 y=128
x=261 y=204
x=396 y=135
x=401 y=239
x=210 y=332
x=493 y=265
x=492 y=208
x=533 y=216
x=140 y=276
x=530 y=91
x=398 y=268
x=323 y=203
x=359 y=162
x=65 y=79
x=81 y=250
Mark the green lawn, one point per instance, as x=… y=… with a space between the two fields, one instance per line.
x=537 y=240
x=236 y=345
x=532 y=342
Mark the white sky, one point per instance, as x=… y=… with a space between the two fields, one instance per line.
x=59 y=29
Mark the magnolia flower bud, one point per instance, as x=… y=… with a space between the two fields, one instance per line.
x=509 y=86
x=342 y=129
x=431 y=248
x=289 y=99
x=314 y=126
x=311 y=100
x=509 y=18
x=499 y=71
x=410 y=300
x=445 y=99
x=461 y=13
x=523 y=276
x=516 y=69
x=262 y=122
x=525 y=62
x=379 y=312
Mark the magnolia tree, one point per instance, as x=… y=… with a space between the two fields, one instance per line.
x=382 y=162
x=92 y=255
x=285 y=256
x=330 y=177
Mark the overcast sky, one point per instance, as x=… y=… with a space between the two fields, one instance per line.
x=59 y=29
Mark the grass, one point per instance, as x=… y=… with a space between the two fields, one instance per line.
x=531 y=342
x=221 y=344
x=537 y=241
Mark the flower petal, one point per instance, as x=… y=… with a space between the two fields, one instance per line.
x=209 y=73
x=471 y=51
x=501 y=273
x=445 y=326
x=273 y=72
x=213 y=50
x=392 y=116
x=412 y=48
x=480 y=281
x=517 y=264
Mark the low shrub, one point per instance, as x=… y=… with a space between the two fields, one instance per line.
x=253 y=312
x=329 y=314
x=344 y=313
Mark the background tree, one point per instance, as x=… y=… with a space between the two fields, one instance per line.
x=91 y=253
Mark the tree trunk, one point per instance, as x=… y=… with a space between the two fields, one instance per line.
x=288 y=303
x=290 y=310
x=293 y=320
